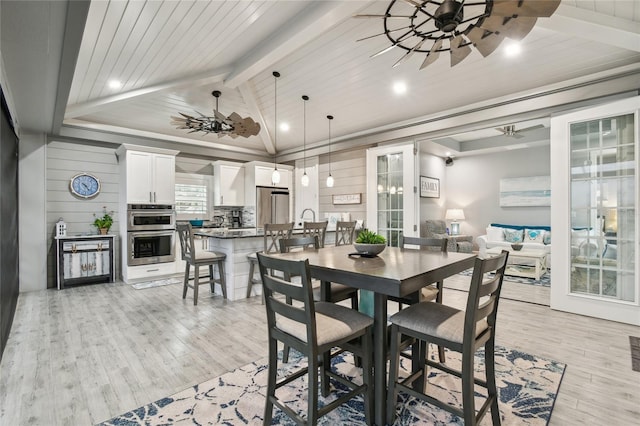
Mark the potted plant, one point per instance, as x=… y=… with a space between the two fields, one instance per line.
x=370 y=243
x=103 y=223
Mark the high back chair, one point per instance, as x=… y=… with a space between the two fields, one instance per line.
x=338 y=292
x=197 y=258
x=319 y=229
x=345 y=232
x=313 y=329
x=460 y=331
x=273 y=232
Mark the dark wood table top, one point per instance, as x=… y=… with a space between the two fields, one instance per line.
x=394 y=272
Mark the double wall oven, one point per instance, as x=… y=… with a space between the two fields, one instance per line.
x=151 y=232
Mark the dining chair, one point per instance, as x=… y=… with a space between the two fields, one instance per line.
x=197 y=258
x=319 y=229
x=273 y=232
x=313 y=329
x=338 y=292
x=460 y=331
x=345 y=232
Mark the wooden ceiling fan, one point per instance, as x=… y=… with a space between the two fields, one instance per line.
x=233 y=125
x=511 y=131
x=436 y=26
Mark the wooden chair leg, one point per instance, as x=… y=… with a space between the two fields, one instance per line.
x=271 y=381
x=212 y=280
x=186 y=281
x=468 y=400
x=312 y=409
x=223 y=279
x=492 y=390
x=252 y=269
x=196 y=283
x=394 y=365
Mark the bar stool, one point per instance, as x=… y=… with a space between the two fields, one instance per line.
x=198 y=258
x=273 y=232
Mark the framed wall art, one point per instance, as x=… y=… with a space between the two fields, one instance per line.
x=429 y=187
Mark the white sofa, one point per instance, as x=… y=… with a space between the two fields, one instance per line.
x=503 y=235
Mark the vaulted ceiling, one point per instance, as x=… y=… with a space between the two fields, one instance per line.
x=170 y=55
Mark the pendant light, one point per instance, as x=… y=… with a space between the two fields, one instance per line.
x=305 y=177
x=275 y=176
x=330 y=178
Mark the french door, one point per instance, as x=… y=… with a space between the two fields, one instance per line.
x=391 y=193
x=594 y=210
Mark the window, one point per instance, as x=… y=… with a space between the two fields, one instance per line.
x=192 y=196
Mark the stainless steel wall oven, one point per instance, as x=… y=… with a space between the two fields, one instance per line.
x=150 y=234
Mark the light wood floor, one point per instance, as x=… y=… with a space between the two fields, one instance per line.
x=83 y=355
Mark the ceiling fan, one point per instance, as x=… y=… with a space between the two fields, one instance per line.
x=233 y=125
x=436 y=26
x=510 y=130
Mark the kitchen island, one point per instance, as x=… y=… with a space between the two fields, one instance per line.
x=237 y=244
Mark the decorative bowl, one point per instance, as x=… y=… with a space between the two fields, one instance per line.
x=516 y=247
x=196 y=222
x=369 y=249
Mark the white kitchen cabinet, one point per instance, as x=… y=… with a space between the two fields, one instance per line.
x=150 y=178
x=228 y=183
x=257 y=173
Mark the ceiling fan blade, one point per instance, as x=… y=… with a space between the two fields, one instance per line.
x=433 y=54
x=485 y=41
x=537 y=126
x=383 y=33
x=219 y=116
x=383 y=16
x=385 y=50
x=409 y=53
x=458 y=52
x=531 y=8
x=413 y=3
x=518 y=28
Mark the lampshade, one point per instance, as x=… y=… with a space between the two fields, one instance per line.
x=454 y=214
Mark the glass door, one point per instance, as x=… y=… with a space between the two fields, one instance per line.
x=391 y=197
x=602 y=238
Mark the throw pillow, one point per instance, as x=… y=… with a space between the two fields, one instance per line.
x=513 y=235
x=546 y=239
x=495 y=234
x=533 y=235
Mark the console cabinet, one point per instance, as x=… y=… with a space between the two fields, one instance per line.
x=84 y=260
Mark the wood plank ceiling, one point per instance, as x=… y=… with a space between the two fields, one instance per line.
x=170 y=55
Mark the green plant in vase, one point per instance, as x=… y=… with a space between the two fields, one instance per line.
x=370 y=243
x=104 y=222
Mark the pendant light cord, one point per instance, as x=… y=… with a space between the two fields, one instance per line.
x=330 y=117
x=276 y=74
x=305 y=98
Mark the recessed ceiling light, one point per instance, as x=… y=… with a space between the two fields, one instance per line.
x=400 y=88
x=512 y=49
x=284 y=127
x=115 y=84
x=448 y=154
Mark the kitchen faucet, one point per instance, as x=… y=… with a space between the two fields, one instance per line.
x=313 y=217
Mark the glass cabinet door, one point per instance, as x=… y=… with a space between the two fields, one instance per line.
x=603 y=211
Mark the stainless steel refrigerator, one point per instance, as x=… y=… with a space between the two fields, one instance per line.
x=272 y=205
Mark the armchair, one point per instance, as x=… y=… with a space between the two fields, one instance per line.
x=436 y=228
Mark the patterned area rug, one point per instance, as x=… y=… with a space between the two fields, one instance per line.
x=544 y=280
x=528 y=386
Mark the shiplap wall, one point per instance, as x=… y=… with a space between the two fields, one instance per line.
x=63 y=161
x=349 y=173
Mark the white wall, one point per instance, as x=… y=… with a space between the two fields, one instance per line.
x=432 y=208
x=473 y=184
x=349 y=172
x=32 y=227
x=63 y=161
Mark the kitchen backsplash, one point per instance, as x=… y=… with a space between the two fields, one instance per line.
x=248 y=215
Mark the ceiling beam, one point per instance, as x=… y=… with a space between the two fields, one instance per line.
x=95 y=105
x=314 y=21
x=249 y=97
x=594 y=26
x=76 y=19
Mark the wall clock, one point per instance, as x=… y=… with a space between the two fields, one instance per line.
x=84 y=185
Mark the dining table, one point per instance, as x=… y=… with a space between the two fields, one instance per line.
x=399 y=272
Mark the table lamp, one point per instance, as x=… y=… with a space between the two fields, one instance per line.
x=454 y=215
